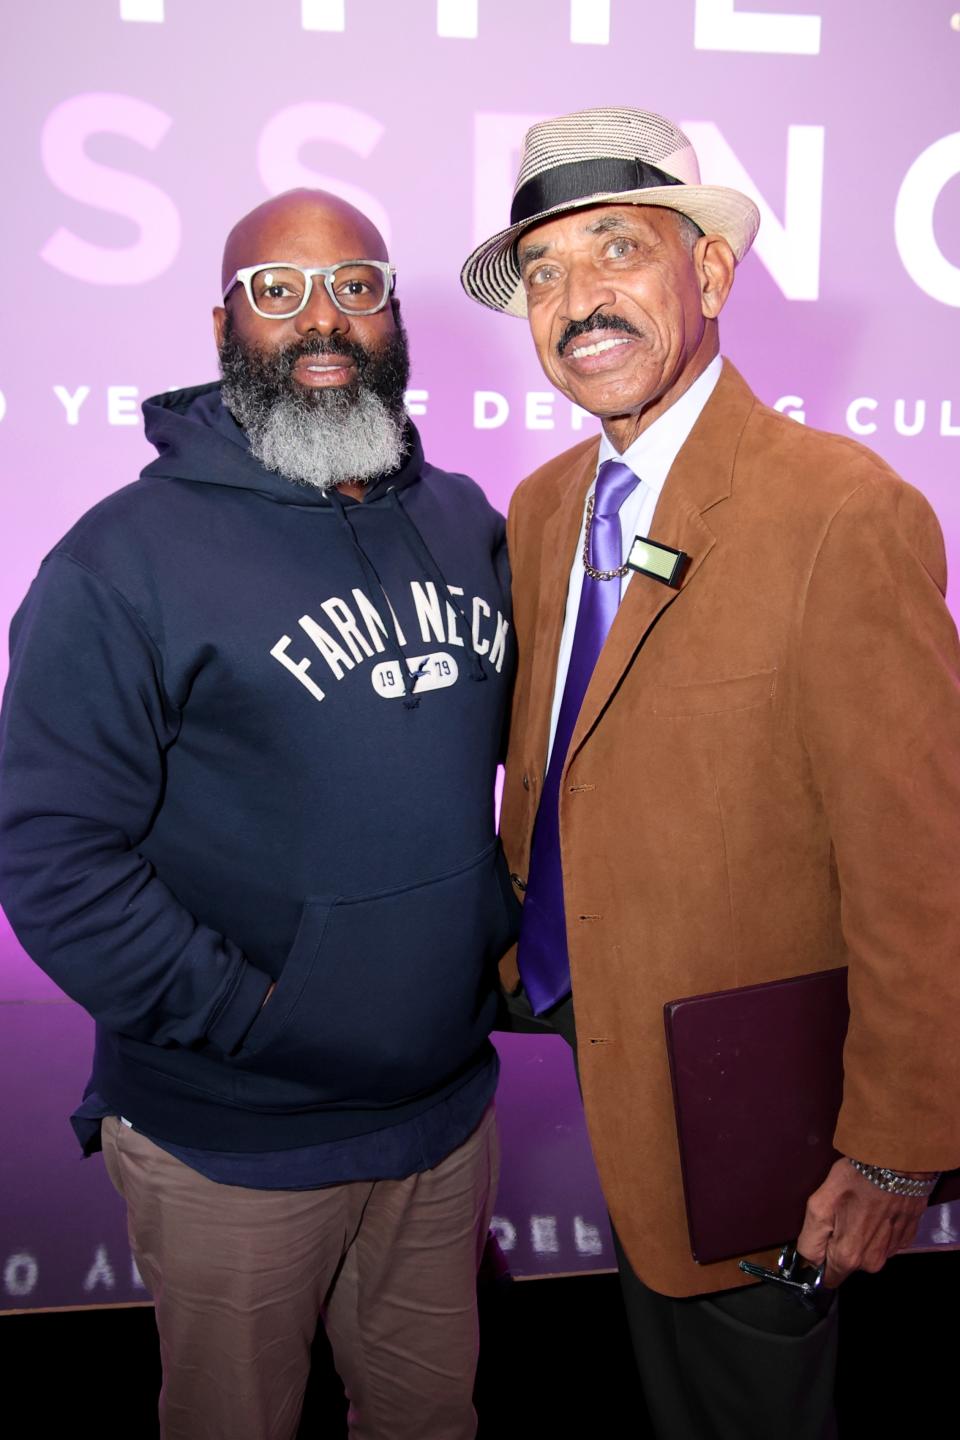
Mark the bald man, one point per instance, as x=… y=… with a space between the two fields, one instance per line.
x=255 y=708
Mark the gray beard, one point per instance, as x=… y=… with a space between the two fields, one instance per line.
x=322 y=439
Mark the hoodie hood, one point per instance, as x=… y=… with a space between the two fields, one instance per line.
x=198 y=439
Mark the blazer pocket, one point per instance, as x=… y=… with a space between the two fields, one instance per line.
x=712 y=697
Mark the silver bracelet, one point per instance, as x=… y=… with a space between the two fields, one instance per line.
x=893 y=1182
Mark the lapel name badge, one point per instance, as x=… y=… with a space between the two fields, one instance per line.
x=660 y=562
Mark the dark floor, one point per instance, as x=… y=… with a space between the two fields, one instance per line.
x=554 y=1362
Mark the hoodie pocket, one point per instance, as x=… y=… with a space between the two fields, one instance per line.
x=296 y=972
x=385 y=996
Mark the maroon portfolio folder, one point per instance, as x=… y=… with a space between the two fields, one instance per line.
x=757 y=1084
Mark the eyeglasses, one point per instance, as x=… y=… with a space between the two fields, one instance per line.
x=277 y=290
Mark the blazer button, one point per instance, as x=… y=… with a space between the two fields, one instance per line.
x=520 y=884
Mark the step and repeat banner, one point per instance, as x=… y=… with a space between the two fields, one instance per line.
x=136 y=132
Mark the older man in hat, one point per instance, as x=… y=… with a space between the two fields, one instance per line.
x=734 y=758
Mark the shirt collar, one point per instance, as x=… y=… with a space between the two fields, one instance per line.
x=652 y=453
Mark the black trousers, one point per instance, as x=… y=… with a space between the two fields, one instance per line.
x=746 y=1364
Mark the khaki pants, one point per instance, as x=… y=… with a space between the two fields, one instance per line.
x=240 y=1278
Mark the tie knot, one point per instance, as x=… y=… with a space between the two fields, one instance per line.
x=614 y=483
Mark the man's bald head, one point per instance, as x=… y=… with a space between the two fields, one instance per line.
x=304 y=226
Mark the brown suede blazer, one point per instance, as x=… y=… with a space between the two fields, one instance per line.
x=764 y=781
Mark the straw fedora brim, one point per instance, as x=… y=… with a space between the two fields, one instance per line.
x=491 y=274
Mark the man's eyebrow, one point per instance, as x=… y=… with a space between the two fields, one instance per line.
x=531 y=252
x=606 y=223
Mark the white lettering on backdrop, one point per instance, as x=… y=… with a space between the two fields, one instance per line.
x=63 y=149
x=789 y=249
x=922 y=185
x=718 y=25
x=455 y=19
x=537 y=410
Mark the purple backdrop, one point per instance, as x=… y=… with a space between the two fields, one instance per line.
x=137 y=131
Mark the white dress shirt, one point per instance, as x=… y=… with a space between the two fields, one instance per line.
x=650 y=458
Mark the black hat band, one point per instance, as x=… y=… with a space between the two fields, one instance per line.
x=565 y=184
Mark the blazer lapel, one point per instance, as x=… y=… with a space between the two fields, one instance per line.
x=700 y=477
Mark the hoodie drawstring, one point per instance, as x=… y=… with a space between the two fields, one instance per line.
x=373 y=587
x=422 y=553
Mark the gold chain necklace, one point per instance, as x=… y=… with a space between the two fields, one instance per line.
x=595 y=574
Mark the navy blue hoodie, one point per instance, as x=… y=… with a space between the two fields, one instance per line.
x=216 y=773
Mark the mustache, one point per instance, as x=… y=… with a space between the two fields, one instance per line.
x=599 y=321
x=315 y=346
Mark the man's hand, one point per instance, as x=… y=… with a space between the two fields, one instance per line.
x=854 y=1225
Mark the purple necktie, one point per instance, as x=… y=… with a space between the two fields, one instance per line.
x=542 y=955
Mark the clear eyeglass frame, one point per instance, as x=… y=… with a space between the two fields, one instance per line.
x=245 y=276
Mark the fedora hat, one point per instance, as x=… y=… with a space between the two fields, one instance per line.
x=608 y=156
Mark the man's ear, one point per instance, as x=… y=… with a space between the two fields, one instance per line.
x=716 y=263
x=219 y=324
